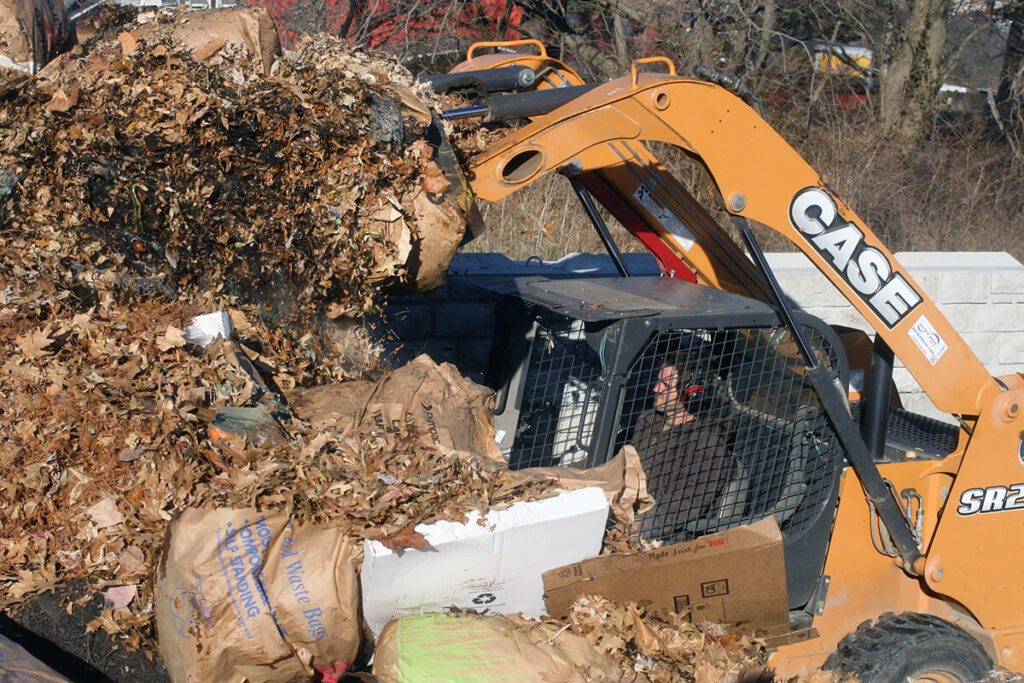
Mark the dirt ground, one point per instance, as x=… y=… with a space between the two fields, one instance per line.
x=46 y=628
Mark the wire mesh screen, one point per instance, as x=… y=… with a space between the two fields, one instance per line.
x=728 y=430
x=560 y=396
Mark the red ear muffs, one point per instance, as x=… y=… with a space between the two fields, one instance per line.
x=696 y=398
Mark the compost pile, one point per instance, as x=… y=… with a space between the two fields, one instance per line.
x=142 y=183
x=599 y=640
x=169 y=172
x=106 y=438
x=664 y=648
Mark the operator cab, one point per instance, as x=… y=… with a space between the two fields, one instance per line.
x=576 y=363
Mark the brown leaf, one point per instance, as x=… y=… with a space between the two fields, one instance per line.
x=241 y=323
x=27 y=583
x=395 y=493
x=82 y=322
x=132 y=561
x=129 y=42
x=336 y=310
x=707 y=672
x=104 y=621
x=406 y=538
x=105 y=513
x=34 y=344
x=171 y=339
x=216 y=460
x=434 y=181
x=647 y=638
x=62 y=101
x=120 y=597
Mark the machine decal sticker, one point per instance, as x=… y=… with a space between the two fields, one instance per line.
x=991 y=499
x=815 y=214
x=664 y=216
x=928 y=340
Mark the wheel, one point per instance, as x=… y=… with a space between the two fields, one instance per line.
x=910 y=647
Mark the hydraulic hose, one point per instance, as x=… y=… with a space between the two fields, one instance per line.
x=535 y=103
x=503 y=79
x=733 y=83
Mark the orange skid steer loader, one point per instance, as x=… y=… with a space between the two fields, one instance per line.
x=901 y=534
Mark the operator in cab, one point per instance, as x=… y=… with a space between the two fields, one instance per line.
x=684 y=454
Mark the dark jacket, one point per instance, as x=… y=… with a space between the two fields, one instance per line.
x=687 y=467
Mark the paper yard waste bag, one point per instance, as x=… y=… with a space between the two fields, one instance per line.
x=432 y=403
x=425 y=256
x=206 y=31
x=244 y=596
x=18 y=666
x=470 y=648
x=32 y=32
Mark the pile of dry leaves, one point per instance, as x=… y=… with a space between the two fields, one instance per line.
x=106 y=438
x=171 y=172
x=632 y=644
x=626 y=642
x=664 y=648
x=142 y=183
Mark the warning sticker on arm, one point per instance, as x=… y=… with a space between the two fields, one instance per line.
x=928 y=340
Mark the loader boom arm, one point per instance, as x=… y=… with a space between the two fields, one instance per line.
x=762 y=178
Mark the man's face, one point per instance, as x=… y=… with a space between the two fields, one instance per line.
x=666 y=390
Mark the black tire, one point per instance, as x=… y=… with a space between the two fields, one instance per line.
x=896 y=648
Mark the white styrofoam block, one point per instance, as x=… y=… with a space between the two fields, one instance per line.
x=496 y=565
x=905 y=382
x=788 y=260
x=840 y=316
x=985 y=345
x=811 y=292
x=910 y=399
x=209 y=327
x=801 y=278
x=848 y=316
x=1006 y=297
x=990 y=318
x=963 y=317
x=1015 y=316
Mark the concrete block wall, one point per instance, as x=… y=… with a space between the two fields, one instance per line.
x=981 y=293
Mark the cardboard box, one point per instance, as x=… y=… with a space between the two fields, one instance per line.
x=737 y=577
x=496 y=565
